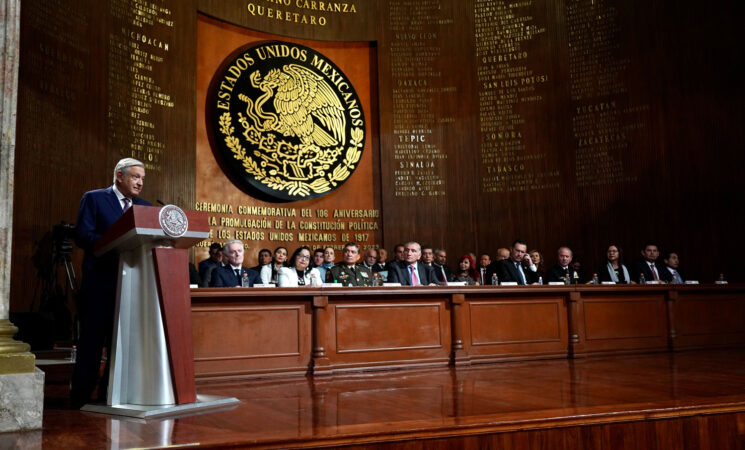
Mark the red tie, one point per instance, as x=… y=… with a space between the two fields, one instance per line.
x=654 y=272
x=414 y=279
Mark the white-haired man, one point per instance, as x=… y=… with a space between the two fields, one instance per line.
x=233 y=272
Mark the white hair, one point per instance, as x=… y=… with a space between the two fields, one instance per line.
x=229 y=243
x=124 y=164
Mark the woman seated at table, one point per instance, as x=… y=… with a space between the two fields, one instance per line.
x=466 y=270
x=614 y=270
x=537 y=258
x=270 y=273
x=299 y=272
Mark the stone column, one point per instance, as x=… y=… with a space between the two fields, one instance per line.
x=21 y=384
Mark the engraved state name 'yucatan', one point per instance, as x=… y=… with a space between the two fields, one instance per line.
x=285 y=122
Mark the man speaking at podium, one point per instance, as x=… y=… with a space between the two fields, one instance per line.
x=98 y=210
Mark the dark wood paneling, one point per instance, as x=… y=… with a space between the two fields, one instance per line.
x=624 y=321
x=239 y=340
x=679 y=112
x=251 y=332
x=706 y=318
x=69 y=138
x=370 y=331
x=520 y=327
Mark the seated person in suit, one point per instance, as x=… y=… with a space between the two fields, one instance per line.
x=484 y=261
x=649 y=267
x=317 y=262
x=502 y=254
x=348 y=272
x=562 y=269
x=614 y=270
x=214 y=259
x=299 y=272
x=517 y=268
x=265 y=258
x=672 y=262
x=466 y=272
x=270 y=273
x=442 y=270
x=371 y=260
x=233 y=273
x=382 y=259
x=398 y=253
x=410 y=272
x=428 y=255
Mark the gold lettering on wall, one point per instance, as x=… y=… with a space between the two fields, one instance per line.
x=512 y=86
x=304 y=12
x=417 y=26
x=303 y=226
x=137 y=48
x=603 y=118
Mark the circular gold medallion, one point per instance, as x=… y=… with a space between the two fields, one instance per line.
x=284 y=121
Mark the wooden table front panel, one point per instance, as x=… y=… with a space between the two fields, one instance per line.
x=624 y=321
x=515 y=327
x=400 y=331
x=251 y=339
x=709 y=319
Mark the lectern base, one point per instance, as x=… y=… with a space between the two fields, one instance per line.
x=203 y=403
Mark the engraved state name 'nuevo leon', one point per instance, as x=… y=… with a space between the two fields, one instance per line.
x=286 y=122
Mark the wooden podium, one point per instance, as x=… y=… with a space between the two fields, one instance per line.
x=152 y=357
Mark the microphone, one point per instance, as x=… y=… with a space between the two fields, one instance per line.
x=161 y=203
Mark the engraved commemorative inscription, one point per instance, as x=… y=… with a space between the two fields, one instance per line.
x=285 y=122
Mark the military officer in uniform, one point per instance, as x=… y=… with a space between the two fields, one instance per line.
x=348 y=272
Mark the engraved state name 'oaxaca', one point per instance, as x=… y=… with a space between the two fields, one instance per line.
x=284 y=122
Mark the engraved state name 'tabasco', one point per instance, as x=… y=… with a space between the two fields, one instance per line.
x=285 y=122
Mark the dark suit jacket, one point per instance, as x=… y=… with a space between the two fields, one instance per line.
x=194 y=275
x=438 y=273
x=557 y=273
x=361 y=276
x=506 y=271
x=225 y=277
x=399 y=273
x=98 y=210
x=640 y=267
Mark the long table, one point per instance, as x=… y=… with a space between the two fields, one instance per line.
x=259 y=332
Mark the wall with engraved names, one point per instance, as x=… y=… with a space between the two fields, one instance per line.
x=562 y=122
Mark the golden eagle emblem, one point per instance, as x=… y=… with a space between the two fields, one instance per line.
x=298 y=123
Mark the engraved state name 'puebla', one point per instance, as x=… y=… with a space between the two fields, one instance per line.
x=286 y=121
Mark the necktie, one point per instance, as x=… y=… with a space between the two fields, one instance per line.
x=238 y=273
x=677 y=276
x=127 y=204
x=654 y=272
x=520 y=273
x=414 y=279
x=483 y=275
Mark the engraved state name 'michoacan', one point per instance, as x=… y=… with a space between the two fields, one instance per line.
x=285 y=123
